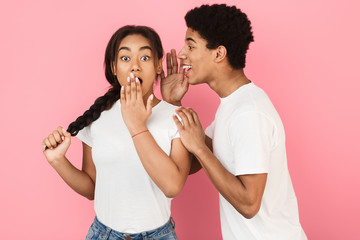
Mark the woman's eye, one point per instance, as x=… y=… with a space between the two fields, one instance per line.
x=125 y=58
x=191 y=47
x=144 y=58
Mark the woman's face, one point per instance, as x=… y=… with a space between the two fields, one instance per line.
x=135 y=55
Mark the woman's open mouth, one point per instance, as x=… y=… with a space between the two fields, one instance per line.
x=140 y=80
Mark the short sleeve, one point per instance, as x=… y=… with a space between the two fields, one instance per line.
x=85 y=135
x=251 y=137
x=174 y=132
x=209 y=131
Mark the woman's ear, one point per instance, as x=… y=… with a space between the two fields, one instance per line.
x=113 y=68
x=220 y=53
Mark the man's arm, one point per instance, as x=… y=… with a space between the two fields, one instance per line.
x=195 y=165
x=243 y=192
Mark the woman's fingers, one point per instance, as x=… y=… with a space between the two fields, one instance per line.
x=46 y=144
x=52 y=140
x=122 y=95
x=138 y=89
x=132 y=88
x=127 y=90
x=57 y=136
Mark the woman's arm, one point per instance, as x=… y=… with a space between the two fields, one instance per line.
x=168 y=172
x=81 y=181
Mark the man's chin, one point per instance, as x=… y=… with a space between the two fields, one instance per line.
x=193 y=81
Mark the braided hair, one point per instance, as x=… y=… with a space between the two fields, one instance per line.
x=113 y=94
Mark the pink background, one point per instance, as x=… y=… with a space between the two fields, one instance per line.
x=305 y=56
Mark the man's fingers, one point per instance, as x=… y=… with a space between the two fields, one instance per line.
x=168 y=64
x=183 y=117
x=174 y=61
x=195 y=116
x=179 y=126
x=162 y=75
x=188 y=115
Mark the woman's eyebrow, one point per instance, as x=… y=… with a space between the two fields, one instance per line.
x=146 y=47
x=142 y=48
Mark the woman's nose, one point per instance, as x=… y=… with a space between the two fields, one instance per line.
x=135 y=68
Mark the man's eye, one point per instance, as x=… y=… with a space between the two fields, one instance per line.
x=125 y=58
x=144 y=58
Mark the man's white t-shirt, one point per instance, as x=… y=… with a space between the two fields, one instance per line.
x=248 y=138
x=126 y=198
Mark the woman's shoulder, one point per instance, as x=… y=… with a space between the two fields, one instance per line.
x=163 y=105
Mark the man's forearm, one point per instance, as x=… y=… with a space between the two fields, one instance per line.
x=228 y=185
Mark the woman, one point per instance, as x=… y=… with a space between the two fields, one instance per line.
x=133 y=159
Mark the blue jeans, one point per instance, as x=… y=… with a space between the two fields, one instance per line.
x=99 y=231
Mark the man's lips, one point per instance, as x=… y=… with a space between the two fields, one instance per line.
x=187 y=68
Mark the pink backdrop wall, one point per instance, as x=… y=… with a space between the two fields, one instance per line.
x=305 y=56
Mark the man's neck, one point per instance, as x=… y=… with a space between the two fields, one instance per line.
x=227 y=82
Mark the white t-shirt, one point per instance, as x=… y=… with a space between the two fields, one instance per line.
x=248 y=138
x=126 y=198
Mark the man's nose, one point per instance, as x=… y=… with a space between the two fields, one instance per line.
x=181 y=54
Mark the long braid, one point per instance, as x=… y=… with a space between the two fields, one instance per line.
x=89 y=116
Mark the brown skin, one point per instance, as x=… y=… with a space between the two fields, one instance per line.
x=210 y=66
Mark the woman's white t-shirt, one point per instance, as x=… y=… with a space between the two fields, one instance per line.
x=126 y=198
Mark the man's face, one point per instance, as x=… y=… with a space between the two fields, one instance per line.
x=196 y=58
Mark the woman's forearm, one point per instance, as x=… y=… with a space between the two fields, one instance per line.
x=78 y=180
x=169 y=177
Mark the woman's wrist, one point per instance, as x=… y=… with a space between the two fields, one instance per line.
x=137 y=129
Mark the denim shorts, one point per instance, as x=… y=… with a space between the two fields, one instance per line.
x=99 y=231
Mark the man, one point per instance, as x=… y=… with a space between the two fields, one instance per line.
x=243 y=152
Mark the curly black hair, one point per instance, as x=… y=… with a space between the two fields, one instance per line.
x=220 y=24
x=113 y=94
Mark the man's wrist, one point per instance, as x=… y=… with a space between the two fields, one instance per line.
x=201 y=152
x=176 y=103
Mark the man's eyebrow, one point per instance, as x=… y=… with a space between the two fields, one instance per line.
x=128 y=49
x=190 y=39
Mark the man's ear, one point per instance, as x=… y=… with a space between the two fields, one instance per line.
x=220 y=53
x=159 y=66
